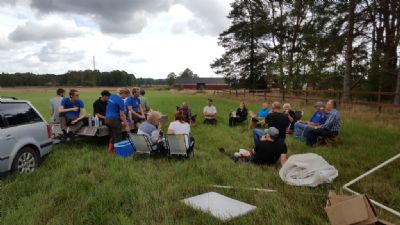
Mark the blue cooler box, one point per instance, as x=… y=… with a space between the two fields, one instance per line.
x=124 y=149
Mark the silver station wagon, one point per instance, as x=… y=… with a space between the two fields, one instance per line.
x=25 y=136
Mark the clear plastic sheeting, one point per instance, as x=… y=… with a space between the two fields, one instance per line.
x=307 y=170
x=219 y=206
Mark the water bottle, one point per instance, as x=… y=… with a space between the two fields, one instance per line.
x=96 y=121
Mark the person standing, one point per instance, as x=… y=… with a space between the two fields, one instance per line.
x=210 y=113
x=144 y=102
x=72 y=112
x=54 y=105
x=329 y=129
x=100 y=106
x=115 y=116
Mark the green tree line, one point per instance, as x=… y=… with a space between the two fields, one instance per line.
x=89 y=78
x=290 y=44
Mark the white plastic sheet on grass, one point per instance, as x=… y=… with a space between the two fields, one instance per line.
x=307 y=170
x=219 y=206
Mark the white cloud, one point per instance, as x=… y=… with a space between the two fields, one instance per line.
x=38 y=32
x=149 y=39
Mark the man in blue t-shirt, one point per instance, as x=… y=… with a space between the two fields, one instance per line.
x=115 y=115
x=260 y=117
x=318 y=118
x=329 y=129
x=72 y=112
x=134 y=107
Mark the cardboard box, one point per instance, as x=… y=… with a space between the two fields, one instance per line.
x=350 y=210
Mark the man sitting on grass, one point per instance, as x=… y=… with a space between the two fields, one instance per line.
x=329 y=129
x=260 y=117
x=268 y=150
x=210 y=113
x=318 y=118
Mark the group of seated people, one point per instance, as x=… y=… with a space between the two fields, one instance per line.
x=70 y=111
x=269 y=144
x=119 y=110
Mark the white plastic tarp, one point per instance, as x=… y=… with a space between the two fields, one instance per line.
x=307 y=170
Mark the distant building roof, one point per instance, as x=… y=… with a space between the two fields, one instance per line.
x=206 y=80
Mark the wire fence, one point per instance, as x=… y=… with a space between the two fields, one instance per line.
x=379 y=100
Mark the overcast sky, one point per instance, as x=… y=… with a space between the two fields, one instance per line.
x=149 y=38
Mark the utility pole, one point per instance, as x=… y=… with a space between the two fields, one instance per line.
x=94 y=63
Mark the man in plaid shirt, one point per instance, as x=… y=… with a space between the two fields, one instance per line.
x=329 y=129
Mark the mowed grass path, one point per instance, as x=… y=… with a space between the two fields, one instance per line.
x=79 y=183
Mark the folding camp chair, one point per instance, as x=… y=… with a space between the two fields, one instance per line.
x=177 y=144
x=140 y=142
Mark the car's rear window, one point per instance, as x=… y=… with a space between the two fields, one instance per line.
x=19 y=113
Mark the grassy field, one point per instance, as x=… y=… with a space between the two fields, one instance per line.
x=79 y=183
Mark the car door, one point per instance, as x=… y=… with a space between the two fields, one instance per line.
x=23 y=126
x=7 y=139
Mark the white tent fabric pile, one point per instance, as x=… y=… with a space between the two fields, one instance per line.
x=307 y=170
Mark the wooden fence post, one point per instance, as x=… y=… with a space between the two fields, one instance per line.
x=306 y=96
x=379 y=101
x=236 y=92
x=265 y=94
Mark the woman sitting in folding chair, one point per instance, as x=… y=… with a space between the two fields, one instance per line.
x=152 y=129
x=179 y=126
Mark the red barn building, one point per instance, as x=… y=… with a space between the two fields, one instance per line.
x=201 y=83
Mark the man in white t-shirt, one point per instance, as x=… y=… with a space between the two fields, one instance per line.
x=210 y=113
x=179 y=126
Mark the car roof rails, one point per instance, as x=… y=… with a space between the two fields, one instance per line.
x=8 y=97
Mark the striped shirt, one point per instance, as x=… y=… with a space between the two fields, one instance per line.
x=333 y=121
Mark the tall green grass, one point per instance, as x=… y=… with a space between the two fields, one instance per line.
x=79 y=183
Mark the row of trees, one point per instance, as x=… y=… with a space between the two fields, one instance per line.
x=187 y=73
x=114 y=78
x=347 y=45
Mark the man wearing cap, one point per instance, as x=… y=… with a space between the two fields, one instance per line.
x=318 y=118
x=210 y=113
x=329 y=129
x=268 y=150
